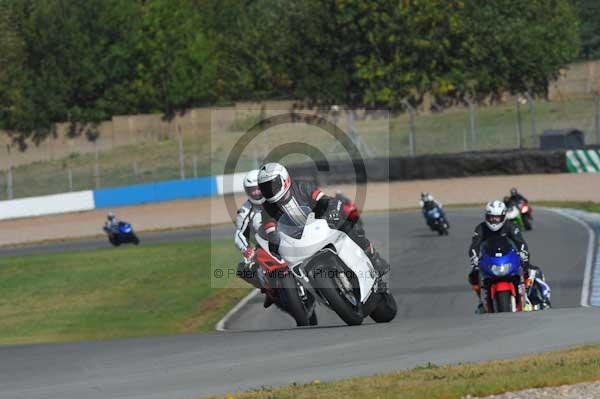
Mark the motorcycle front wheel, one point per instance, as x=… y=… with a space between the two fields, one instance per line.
x=503 y=302
x=343 y=301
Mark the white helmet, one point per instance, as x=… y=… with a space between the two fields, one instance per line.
x=495 y=215
x=110 y=215
x=274 y=181
x=251 y=187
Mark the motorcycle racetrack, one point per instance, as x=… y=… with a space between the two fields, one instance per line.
x=435 y=323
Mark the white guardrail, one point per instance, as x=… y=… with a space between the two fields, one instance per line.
x=47 y=205
x=121 y=196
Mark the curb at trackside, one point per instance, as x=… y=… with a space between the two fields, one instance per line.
x=221 y=325
x=593 y=254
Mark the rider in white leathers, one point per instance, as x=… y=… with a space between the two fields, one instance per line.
x=248 y=222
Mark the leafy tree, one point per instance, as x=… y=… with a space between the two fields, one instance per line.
x=175 y=71
x=589 y=14
x=83 y=62
x=518 y=46
x=76 y=64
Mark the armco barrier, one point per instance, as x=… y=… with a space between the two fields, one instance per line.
x=47 y=205
x=403 y=168
x=155 y=192
x=436 y=166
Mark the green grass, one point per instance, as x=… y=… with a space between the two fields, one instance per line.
x=452 y=382
x=115 y=292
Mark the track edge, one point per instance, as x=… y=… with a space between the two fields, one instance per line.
x=220 y=326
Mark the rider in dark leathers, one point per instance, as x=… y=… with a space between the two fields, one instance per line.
x=285 y=196
x=495 y=226
x=516 y=197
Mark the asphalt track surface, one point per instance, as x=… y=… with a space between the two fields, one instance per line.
x=435 y=323
x=100 y=242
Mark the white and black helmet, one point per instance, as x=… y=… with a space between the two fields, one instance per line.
x=495 y=215
x=274 y=181
x=251 y=187
x=110 y=215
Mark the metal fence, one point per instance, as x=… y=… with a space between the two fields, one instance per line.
x=179 y=150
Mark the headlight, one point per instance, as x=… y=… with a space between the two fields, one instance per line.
x=501 y=270
x=525 y=209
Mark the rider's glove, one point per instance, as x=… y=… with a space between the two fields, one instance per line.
x=249 y=255
x=474 y=261
x=350 y=210
x=335 y=216
x=524 y=256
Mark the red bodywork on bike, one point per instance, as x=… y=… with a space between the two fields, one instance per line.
x=502 y=286
x=524 y=208
x=271 y=269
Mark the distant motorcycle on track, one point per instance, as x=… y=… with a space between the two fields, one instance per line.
x=436 y=220
x=526 y=214
x=519 y=212
x=514 y=216
x=121 y=233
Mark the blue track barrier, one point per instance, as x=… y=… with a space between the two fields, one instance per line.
x=155 y=192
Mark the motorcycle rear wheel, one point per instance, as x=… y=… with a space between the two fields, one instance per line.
x=291 y=301
x=386 y=309
x=527 y=223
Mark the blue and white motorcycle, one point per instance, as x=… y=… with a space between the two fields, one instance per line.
x=508 y=290
x=436 y=220
x=122 y=233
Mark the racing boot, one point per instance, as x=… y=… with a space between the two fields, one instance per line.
x=381 y=267
x=249 y=274
x=477 y=290
x=268 y=300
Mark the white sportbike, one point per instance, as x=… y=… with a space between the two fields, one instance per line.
x=334 y=269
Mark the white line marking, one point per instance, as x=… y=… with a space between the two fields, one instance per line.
x=220 y=326
x=587 y=275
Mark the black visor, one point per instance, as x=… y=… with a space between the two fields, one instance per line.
x=271 y=188
x=253 y=192
x=495 y=219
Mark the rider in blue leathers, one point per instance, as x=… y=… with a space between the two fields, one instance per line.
x=428 y=203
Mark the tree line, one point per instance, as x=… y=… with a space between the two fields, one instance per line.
x=85 y=61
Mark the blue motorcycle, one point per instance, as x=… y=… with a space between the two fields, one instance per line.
x=122 y=233
x=436 y=220
x=502 y=276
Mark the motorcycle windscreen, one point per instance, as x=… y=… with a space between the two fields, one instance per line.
x=499 y=258
x=433 y=213
x=124 y=228
x=293 y=220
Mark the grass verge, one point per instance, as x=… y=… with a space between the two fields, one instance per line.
x=114 y=293
x=584 y=206
x=430 y=381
